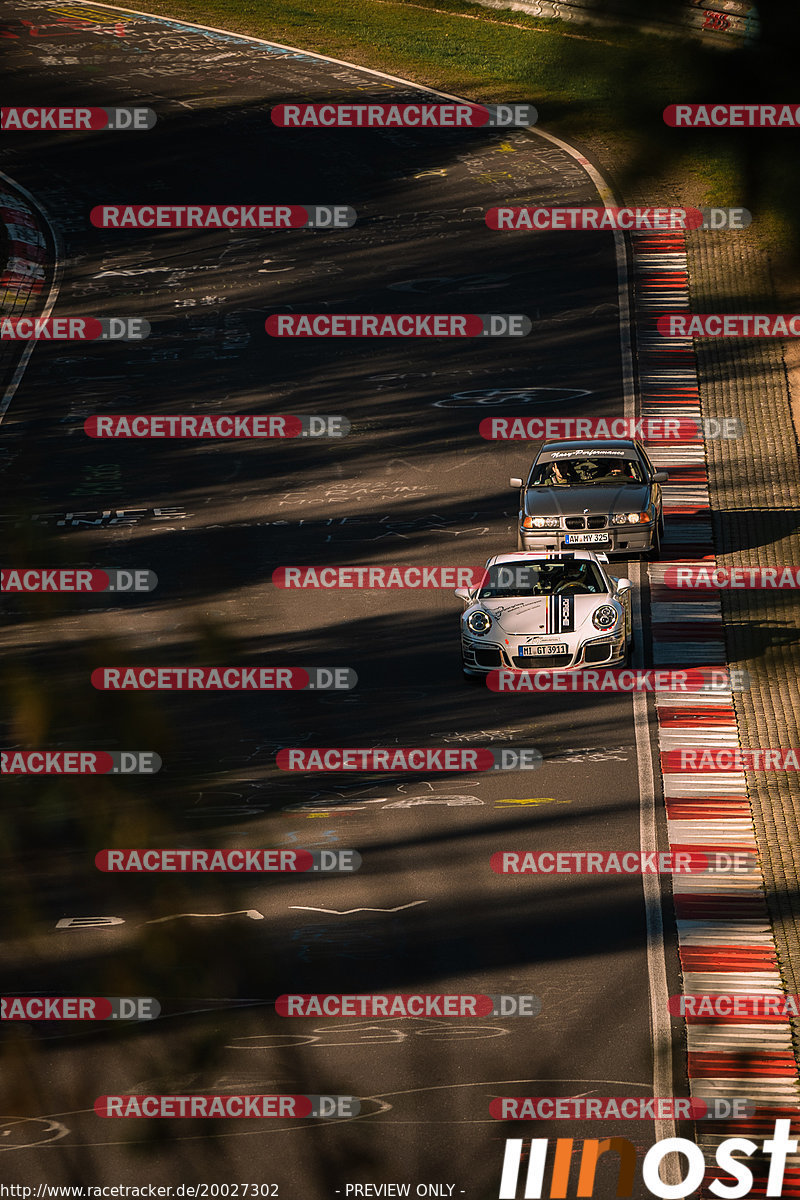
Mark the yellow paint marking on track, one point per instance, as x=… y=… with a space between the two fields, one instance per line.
x=85 y=14
x=533 y=800
x=506 y=147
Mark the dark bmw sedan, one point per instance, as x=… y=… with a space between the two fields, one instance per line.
x=601 y=495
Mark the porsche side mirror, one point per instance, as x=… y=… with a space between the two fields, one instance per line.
x=661 y=477
x=514 y=482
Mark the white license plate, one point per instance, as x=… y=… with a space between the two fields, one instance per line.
x=576 y=539
x=537 y=651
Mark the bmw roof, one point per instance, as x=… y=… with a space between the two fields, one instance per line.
x=597 y=448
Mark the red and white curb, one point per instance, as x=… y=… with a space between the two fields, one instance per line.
x=725 y=938
x=23 y=277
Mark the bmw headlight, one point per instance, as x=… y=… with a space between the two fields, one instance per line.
x=540 y=523
x=479 y=621
x=605 y=617
x=637 y=518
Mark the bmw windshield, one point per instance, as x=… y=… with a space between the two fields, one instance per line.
x=587 y=472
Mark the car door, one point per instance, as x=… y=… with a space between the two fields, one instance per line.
x=655 y=488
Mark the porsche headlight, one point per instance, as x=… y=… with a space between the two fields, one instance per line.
x=479 y=621
x=540 y=523
x=636 y=518
x=605 y=617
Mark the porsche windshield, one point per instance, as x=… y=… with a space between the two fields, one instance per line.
x=587 y=472
x=541 y=579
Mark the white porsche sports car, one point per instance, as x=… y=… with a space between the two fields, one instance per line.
x=535 y=610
